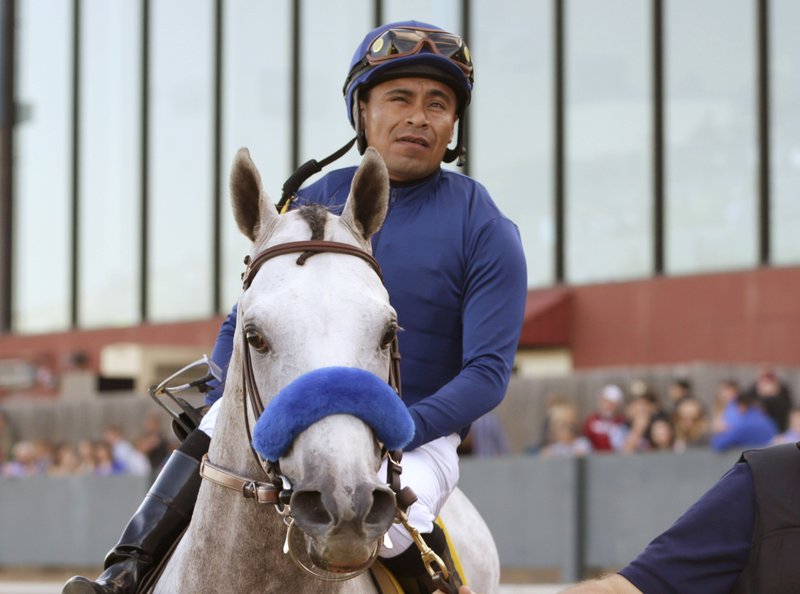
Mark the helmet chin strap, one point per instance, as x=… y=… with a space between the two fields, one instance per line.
x=361 y=136
x=306 y=170
x=459 y=151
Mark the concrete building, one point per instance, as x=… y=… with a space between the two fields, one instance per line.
x=649 y=151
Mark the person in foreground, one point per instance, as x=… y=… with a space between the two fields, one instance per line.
x=741 y=537
x=455 y=271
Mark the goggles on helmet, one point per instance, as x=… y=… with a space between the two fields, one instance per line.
x=406 y=41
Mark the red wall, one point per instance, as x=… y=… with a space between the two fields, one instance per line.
x=58 y=348
x=751 y=317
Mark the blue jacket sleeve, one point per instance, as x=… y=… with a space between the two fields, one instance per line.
x=707 y=548
x=221 y=355
x=492 y=310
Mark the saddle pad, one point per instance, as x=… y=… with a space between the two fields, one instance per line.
x=387 y=583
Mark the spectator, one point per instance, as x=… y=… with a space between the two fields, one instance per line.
x=553 y=401
x=104 y=462
x=153 y=442
x=43 y=454
x=792 y=434
x=774 y=396
x=87 y=460
x=129 y=459
x=751 y=427
x=634 y=435
x=661 y=435
x=691 y=425
x=486 y=438
x=23 y=461
x=725 y=411
x=564 y=438
x=65 y=461
x=605 y=420
x=678 y=390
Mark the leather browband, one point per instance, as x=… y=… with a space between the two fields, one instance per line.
x=309 y=247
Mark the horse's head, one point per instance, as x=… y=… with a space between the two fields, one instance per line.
x=327 y=313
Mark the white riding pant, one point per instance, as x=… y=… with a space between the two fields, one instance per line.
x=431 y=471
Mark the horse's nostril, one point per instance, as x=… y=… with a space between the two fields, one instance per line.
x=308 y=506
x=382 y=509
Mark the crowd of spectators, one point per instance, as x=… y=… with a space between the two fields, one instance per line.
x=759 y=415
x=108 y=454
x=639 y=421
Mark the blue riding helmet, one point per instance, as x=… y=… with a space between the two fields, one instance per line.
x=411 y=48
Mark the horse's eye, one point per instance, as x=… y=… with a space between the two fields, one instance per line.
x=389 y=335
x=257 y=341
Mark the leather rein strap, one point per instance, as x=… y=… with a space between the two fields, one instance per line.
x=270 y=492
x=261 y=492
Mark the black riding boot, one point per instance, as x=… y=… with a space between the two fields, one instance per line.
x=410 y=571
x=154 y=528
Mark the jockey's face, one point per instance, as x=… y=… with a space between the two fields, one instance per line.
x=410 y=122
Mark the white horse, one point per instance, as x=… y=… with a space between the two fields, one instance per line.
x=332 y=311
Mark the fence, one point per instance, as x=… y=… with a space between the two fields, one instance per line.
x=568 y=515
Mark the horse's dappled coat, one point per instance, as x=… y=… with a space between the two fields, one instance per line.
x=329 y=391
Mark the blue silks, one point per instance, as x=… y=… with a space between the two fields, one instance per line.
x=330 y=391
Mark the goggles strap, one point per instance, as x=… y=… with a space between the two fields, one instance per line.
x=306 y=170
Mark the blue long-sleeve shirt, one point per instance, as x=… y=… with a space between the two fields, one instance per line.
x=707 y=548
x=751 y=427
x=455 y=271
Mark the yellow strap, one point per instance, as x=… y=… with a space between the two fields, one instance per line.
x=387 y=583
x=453 y=551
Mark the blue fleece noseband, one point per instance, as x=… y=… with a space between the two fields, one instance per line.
x=331 y=391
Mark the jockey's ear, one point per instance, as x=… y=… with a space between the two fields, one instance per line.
x=366 y=206
x=252 y=208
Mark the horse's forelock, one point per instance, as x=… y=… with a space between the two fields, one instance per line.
x=316 y=216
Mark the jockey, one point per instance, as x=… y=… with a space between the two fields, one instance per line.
x=455 y=272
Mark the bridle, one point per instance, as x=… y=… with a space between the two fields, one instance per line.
x=306 y=249
x=275 y=490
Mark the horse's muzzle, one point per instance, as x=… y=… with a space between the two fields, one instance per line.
x=343 y=532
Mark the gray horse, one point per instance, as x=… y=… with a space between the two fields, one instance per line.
x=332 y=311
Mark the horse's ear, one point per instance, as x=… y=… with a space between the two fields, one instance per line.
x=252 y=208
x=369 y=196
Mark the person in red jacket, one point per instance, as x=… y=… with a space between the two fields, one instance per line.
x=601 y=425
